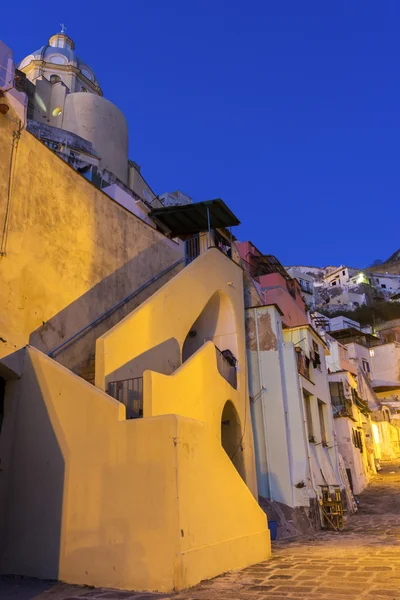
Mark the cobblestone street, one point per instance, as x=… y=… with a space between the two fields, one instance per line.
x=363 y=561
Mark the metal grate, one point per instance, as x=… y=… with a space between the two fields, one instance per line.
x=130 y=393
x=192 y=249
x=267 y=263
x=196 y=245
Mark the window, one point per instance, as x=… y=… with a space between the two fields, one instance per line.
x=343 y=272
x=383 y=285
x=357 y=439
x=54 y=79
x=307 y=408
x=316 y=356
x=305 y=286
x=303 y=363
x=58 y=59
x=333 y=283
x=337 y=389
x=83 y=89
x=370 y=281
x=365 y=365
x=87 y=73
x=341 y=405
x=321 y=414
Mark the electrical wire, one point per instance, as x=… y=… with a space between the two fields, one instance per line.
x=14 y=145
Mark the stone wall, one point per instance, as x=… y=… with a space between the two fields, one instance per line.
x=70 y=251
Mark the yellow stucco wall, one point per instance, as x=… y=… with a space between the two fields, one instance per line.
x=90 y=498
x=169 y=315
x=72 y=252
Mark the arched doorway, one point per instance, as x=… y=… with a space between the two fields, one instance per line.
x=231 y=437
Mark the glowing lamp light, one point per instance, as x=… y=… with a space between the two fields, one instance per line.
x=40 y=102
x=375 y=433
x=57 y=111
x=360 y=278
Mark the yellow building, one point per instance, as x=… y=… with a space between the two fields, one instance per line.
x=153 y=503
x=88 y=495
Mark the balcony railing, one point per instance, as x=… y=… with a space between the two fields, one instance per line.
x=226 y=363
x=201 y=242
x=130 y=393
x=342 y=407
x=359 y=402
x=192 y=249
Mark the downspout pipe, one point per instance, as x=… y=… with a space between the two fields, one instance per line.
x=308 y=450
x=263 y=388
x=287 y=424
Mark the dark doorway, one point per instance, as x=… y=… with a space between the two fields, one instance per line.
x=231 y=437
x=348 y=471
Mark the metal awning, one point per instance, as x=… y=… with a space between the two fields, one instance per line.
x=382 y=385
x=267 y=264
x=193 y=218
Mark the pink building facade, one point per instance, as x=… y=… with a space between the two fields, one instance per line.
x=277 y=287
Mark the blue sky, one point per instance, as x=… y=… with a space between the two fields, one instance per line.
x=286 y=109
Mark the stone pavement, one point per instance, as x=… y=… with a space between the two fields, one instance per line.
x=363 y=561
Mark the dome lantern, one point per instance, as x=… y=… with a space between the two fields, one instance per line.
x=58 y=59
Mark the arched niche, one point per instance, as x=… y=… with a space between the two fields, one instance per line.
x=216 y=323
x=232 y=437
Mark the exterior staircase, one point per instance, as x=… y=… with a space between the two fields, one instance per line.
x=87 y=372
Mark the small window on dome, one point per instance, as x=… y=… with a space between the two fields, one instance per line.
x=87 y=73
x=55 y=79
x=83 y=89
x=58 y=59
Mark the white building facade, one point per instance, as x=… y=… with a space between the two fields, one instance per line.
x=296 y=451
x=306 y=282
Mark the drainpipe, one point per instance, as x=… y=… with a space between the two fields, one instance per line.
x=308 y=451
x=287 y=427
x=262 y=387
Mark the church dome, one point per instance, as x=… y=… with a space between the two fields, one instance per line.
x=60 y=52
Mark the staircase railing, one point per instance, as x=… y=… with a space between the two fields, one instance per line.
x=130 y=393
x=111 y=310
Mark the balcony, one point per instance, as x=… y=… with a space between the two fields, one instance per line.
x=342 y=407
x=199 y=243
x=360 y=403
x=130 y=391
